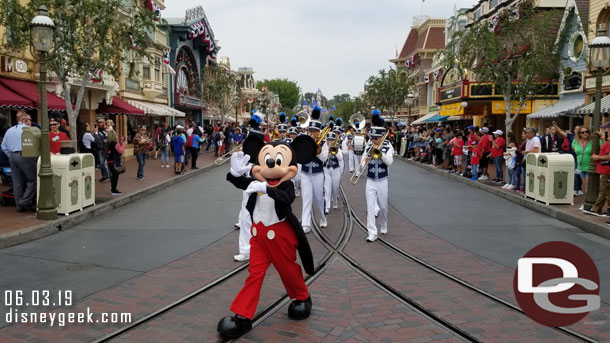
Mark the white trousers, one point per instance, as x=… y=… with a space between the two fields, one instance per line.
x=376 y=195
x=350 y=158
x=356 y=159
x=342 y=164
x=245 y=225
x=332 y=181
x=312 y=187
x=297 y=179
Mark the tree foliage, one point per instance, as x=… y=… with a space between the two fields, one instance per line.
x=519 y=54
x=387 y=90
x=287 y=90
x=90 y=35
x=220 y=90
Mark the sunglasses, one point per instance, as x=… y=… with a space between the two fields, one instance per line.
x=583 y=132
x=54 y=124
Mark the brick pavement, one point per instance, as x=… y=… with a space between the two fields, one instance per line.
x=158 y=288
x=349 y=308
x=128 y=183
x=497 y=279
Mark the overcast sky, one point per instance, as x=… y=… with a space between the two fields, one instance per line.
x=333 y=45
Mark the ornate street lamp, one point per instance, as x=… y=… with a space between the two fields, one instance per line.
x=599 y=60
x=409 y=102
x=41 y=38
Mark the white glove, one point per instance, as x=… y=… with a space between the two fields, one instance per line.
x=257 y=187
x=239 y=164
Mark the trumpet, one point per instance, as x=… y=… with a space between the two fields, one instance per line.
x=333 y=150
x=375 y=153
x=323 y=135
x=224 y=158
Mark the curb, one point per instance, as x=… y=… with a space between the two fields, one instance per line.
x=67 y=222
x=551 y=211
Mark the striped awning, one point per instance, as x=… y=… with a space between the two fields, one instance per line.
x=588 y=110
x=436 y=119
x=423 y=119
x=154 y=109
x=562 y=108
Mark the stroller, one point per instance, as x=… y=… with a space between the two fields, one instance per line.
x=7 y=196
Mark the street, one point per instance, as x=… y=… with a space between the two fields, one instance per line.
x=153 y=252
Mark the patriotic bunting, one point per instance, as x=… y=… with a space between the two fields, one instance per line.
x=427 y=78
x=95 y=76
x=437 y=74
x=166 y=56
x=154 y=7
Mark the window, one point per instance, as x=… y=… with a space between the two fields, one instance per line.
x=576 y=46
x=158 y=70
x=146 y=72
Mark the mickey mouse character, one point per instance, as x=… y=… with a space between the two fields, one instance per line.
x=276 y=231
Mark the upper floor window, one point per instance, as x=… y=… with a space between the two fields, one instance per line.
x=478 y=13
x=146 y=72
x=576 y=46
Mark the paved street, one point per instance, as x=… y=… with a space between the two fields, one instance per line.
x=150 y=254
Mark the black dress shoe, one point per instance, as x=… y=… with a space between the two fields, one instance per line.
x=234 y=326
x=300 y=309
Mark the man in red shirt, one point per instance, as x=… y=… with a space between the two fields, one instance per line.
x=56 y=136
x=497 y=154
x=484 y=151
x=603 y=169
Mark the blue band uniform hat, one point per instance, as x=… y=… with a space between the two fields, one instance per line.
x=255 y=124
x=314 y=123
x=282 y=126
x=377 y=130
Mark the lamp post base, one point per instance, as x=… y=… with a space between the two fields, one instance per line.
x=46 y=214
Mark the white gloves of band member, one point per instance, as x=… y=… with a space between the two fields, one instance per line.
x=257 y=187
x=239 y=164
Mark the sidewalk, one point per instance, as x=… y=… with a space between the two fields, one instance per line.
x=17 y=228
x=567 y=213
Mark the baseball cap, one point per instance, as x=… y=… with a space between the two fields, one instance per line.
x=484 y=129
x=470 y=127
x=498 y=132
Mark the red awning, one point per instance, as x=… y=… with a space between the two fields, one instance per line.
x=9 y=99
x=118 y=107
x=29 y=90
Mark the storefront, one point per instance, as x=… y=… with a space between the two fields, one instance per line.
x=21 y=94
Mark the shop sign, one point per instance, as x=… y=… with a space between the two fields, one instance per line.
x=13 y=65
x=590 y=83
x=452 y=110
x=499 y=107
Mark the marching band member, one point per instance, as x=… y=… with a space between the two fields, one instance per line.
x=282 y=128
x=312 y=177
x=244 y=220
x=340 y=143
x=377 y=179
x=359 y=145
x=332 y=173
x=349 y=146
x=292 y=134
x=327 y=176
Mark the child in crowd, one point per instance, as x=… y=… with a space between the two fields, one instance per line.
x=457 y=144
x=510 y=159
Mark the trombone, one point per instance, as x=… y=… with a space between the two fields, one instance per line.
x=226 y=157
x=375 y=154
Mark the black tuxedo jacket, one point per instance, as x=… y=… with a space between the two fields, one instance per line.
x=283 y=195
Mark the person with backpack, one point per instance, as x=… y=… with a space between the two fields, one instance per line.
x=163 y=141
x=196 y=140
x=178 y=144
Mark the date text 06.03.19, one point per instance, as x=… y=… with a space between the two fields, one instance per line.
x=43 y=297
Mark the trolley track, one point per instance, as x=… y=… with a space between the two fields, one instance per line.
x=412 y=258
x=263 y=314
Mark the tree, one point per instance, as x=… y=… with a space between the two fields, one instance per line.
x=91 y=36
x=219 y=89
x=519 y=54
x=287 y=90
x=388 y=90
x=338 y=99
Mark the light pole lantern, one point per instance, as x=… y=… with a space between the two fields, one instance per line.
x=599 y=60
x=42 y=29
x=409 y=102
